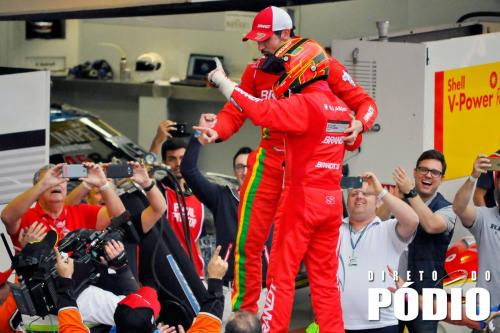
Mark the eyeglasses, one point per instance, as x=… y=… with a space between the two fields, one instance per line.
x=240 y=167
x=434 y=173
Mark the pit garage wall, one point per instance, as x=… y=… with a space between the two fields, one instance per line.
x=24 y=134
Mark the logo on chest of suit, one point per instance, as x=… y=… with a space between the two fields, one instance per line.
x=267 y=94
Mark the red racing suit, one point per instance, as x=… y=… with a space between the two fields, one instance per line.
x=310 y=213
x=263 y=184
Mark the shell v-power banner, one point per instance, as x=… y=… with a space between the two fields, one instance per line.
x=467 y=115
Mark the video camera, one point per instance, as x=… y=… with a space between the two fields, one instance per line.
x=36 y=294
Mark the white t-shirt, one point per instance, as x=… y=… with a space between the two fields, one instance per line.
x=486 y=231
x=375 y=246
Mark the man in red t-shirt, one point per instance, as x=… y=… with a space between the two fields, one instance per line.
x=25 y=224
x=172 y=151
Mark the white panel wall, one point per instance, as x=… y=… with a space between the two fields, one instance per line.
x=17 y=48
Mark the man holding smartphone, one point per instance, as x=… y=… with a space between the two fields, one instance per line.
x=483 y=223
x=172 y=152
x=49 y=192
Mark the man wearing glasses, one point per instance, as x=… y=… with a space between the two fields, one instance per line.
x=427 y=251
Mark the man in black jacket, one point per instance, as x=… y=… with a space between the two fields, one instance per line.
x=222 y=200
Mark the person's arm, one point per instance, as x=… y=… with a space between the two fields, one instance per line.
x=356 y=98
x=77 y=195
x=8 y=310
x=432 y=223
x=123 y=282
x=209 y=319
x=70 y=319
x=12 y=213
x=285 y=115
x=157 y=204
x=484 y=182
x=162 y=134
x=478 y=198
x=113 y=205
x=462 y=205
x=230 y=119
x=406 y=216
x=203 y=189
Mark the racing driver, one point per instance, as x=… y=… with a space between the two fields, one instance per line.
x=264 y=182
x=311 y=120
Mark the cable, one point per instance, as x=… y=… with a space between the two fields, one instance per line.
x=182 y=210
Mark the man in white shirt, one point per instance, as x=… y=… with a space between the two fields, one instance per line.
x=369 y=244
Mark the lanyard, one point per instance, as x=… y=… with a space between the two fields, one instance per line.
x=353 y=245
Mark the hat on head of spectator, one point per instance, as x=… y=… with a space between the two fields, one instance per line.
x=137 y=311
x=266 y=22
x=4 y=276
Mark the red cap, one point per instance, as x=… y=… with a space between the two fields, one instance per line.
x=266 y=22
x=146 y=297
x=4 y=276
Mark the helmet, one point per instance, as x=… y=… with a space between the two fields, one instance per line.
x=303 y=61
x=149 y=67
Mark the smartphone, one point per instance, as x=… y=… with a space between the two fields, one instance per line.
x=74 y=171
x=119 y=171
x=181 y=130
x=351 y=182
x=495 y=164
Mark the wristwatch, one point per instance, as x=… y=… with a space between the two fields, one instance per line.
x=150 y=186
x=412 y=194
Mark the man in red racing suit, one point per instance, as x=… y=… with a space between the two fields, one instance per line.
x=263 y=184
x=310 y=212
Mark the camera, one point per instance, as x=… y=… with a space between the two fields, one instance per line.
x=36 y=294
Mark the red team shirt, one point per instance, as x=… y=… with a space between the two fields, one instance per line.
x=195 y=218
x=71 y=218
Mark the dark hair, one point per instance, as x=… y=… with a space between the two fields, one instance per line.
x=172 y=144
x=278 y=32
x=244 y=322
x=433 y=154
x=241 y=151
x=328 y=49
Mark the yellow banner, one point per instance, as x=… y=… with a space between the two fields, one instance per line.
x=467 y=115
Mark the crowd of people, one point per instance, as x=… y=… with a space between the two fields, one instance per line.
x=286 y=209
